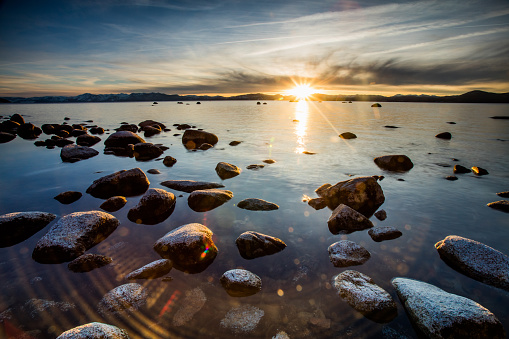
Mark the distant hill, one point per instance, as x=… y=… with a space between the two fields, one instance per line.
x=470 y=97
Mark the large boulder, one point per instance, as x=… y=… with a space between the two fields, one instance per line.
x=241 y=283
x=125 y=183
x=346 y=253
x=18 y=226
x=193 y=139
x=394 y=163
x=94 y=330
x=361 y=292
x=155 y=206
x=347 y=220
x=123 y=300
x=255 y=204
x=254 y=245
x=146 y=151
x=438 y=314
x=206 y=200
x=153 y=270
x=122 y=139
x=227 y=171
x=476 y=260
x=363 y=194
x=190 y=247
x=190 y=185
x=72 y=235
x=73 y=153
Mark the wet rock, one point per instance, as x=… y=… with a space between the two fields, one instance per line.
x=169 y=161
x=6 y=137
x=444 y=135
x=254 y=204
x=87 y=140
x=127 y=127
x=146 y=151
x=451 y=178
x=155 y=206
x=152 y=123
x=190 y=247
x=281 y=335
x=376 y=105
x=182 y=127
x=63 y=142
x=227 y=171
x=125 y=183
x=80 y=132
x=154 y=171
x=255 y=167
x=153 y=270
x=72 y=235
x=361 y=292
x=88 y=262
x=475 y=260
x=193 y=302
x=479 y=170
x=19 y=226
x=269 y=161
x=395 y=163
x=113 y=204
x=384 y=233
x=123 y=300
x=43 y=308
x=347 y=135
x=503 y=194
x=347 y=220
x=235 y=143
x=17 y=118
x=458 y=169
x=68 y=197
x=122 y=139
x=253 y=245
x=206 y=200
x=242 y=319
x=241 y=283
x=381 y=215
x=29 y=131
x=346 y=253
x=438 y=314
x=193 y=139
x=73 y=153
x=151 y=131
x=96 y=130
x=190 y=185
x=9 y=126
x=94 y=330
x=317 y=203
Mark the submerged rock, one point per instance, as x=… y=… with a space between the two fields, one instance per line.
x=206 y=200
x=88 y=262
x=155 y=206
x=68 y=197
x=153 y=270
x=384 y=233
x=501 y=205
x=193 y=139
x=376 y=105
x=347 y=220
x=438 y=314
x=123 y=300
x=73 y=153
x=19 y=226
x=190 y=185
x=395 y=163
x=476 y=260
x=193 y=302
x=255 y=167
x=227 y=171
x=242 y=319
x=254 y=245
x=126 y=183
x=113 y=204
x=346 y=253
x=361 y=292
x=241 y=283
x=94 y=330
x=254 y=204
x=235 y=143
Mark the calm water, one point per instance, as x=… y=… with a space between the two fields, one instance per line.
x=424 y=206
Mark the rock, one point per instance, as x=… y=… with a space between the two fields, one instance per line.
x=97 y=130
x=181 y=127
x=17 y=118
x=451 y=178
x=317 y=203
x=122 y=139
x=384 y=233
x=242 y=319
x=151 y=123
x=124 y=299
x=254 y=204
x=68 y=197
x=127 y=127
x=451 y=122
x=438 y=314
x=190 y=185
x=146 y=151
x=193 y=302
x=113 y=204
x=9 y=126
x=88 y=262
x=193 y=139
x=458 y=169
x=363 y=194
x=29 y=131
x=64 y=142
x=94 y=330
x=376 y=105
x=87 y=140
x=444 y=135
x=479 y=170
x=42 y=308
x=151 y=131
x=125 y=183
x=381 y=215
x=205 y=146
x=241 y=283
x=154 y=171
x=73 y=153
x=206 y=200
x=390 y=126
x=169 y=161
x=6 y=137
x=281 y=335
x=269 y=161
x=347 y=220
x=155 y=206
x=346 y=253
x=19 y=226
x=347 y=135
x=80 y=132
x=395 y=163
x=361 y=292
x=190 y=247
x=227 y=171
x=476 y=260
x=502 y=117
x=254 y=167
x=72 y=235
x=503 y=194
x=235 y=143
x=253 y=245
x=153 y=270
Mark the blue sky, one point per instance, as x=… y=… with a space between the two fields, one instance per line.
x=232 y=47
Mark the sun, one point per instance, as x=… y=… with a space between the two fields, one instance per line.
x=301 y=92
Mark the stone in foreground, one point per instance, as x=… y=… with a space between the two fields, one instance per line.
x=242 y=319
x=347 y=220
x=206 y=200
x=94 y=330
x=254 y=204
x=438 y=314
x=384 y=233
x=254 y=245
x=73 y=153
x=87 y=262
x=394 y=163
x=476 y=260
x=155 y=206
x=361 y=292
x=241 y=283
x=346 y=253
x=153 y=270
x=227 y=171
x=501 y=205
x=125 y=183
x=18 y=226
x=189 y=186
x=124 y=299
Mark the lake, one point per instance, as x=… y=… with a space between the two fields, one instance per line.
x=296 y=296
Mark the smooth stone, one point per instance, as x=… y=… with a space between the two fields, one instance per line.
x=73 y=153
x=347 y=135
x=153 y=270
x=384 y=233
x=254 y=204
x=125 y=183
x=123 y=300
x=169 y=161
x=241 y=283
x=227 y=171
x=346 y=253
x=146 y=151
x=253 y=245
x=381 y=215
x=193 y=139
x=206 y=200
x=155 y=206
x=242 y=319
x=113 y=204
x=19 y=226
x=152 y=123
x=122 y=139
x=97 y=130
x=451 y=178
x=68 y=197
x=269 y=161
x=479 y=170
x=458 y=169
x=87 y=262
x=87 y=140
x=345 y=219
x=444 y=135
x=394 y=163
x=94 y=330
x=317 y=203
x=154 y=171
x=190 y=185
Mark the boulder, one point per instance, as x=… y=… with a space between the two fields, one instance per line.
x=394 y=163
x=479 y=170
x=146 y=151
x=361 y=292
x=242 y=319
x=87 y=140
x=193 y=139
x=155 y=206
x=94 y=330
x=501 y=205
x=254 y=204
x=72 y=235
x=347 y=220
x=190 y=185
x=153 y=270
x=438 y=314
x=6 y=137
x=227 y=171
x=253 y=245
x=384 y=233
x=476 y=260
x=169 y=161
x=9 y=126
x=125 y=183
x=113 y=204
x=190 y=247
x=19 y=226
x=68 y=197
x=123 y=300
x=73 y=153
x=206 y=200
x=29 y=131
x=152 y=123
x=87 y=262
x=346 y=253
x=80 y=132
x=64 y=142
x=241 y=283
x=444 y=135
x=96 y=130
x=363 y=194
x=122 y=139
x=347 y=135
x=317 y=203
x=458 y=169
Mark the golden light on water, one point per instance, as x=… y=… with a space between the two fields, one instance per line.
x=301 y=121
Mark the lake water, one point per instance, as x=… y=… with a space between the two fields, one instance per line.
x=296 y=295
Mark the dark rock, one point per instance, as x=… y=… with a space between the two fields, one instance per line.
x=122 y=139
x=113 y=204
x=78 y=132
x=29 y=131
x=190 y=185
x=501 y=205
x=503 y=194
x=9 y=126
x=6 y=137
x=193 y=139
x=395 y=163
x=154 y=171
x=122 y=300
x=381 y=215
x=345 y=219
x=169 y=161
x=458 y=169
x=97 y=130
x=155 y=206
x=317 y=203
x=444 y=135
x=127 y=127
x=206 y=200
x=87 y=140
x=254 y=204
x=376 y=105
x=254 y=167
x=451 y=177
x=72 y=235
x=253 y=245
x=227 y=171
x=241 y=283
x=479 y=170
x=307 y=152
x=151 y=131
x=64 y=142
x=94 y=330
x=88 y=262
x=269 y=161
x=346 y=253
x=146 y=151
x=73 y=153
x=390 y=126
x=235 y=143
x=63 y=133
x=17 y=118
x=347 y=135
x=68 y=197
x=40 y=143
x=127 y=151
x=19 y=226
x=205 y=146
x=181 y=127
x=500 y=117
x=384 y=233
x=124 y=183
x=153 y=270
x=152 y=123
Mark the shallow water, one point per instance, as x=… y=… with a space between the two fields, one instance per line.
x=297 y=281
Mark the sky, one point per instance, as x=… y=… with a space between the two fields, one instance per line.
x=229 y=47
